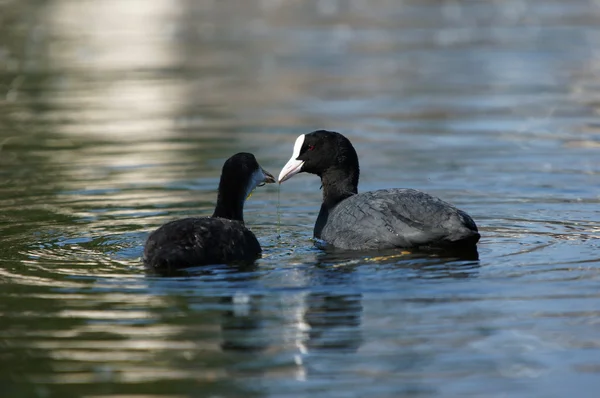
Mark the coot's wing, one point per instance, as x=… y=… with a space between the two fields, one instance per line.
x=397 y=218
x=200 y=241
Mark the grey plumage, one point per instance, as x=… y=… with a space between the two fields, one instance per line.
x=403 y=218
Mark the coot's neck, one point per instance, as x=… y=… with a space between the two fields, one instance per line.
x=338 y=184
x=230 y=204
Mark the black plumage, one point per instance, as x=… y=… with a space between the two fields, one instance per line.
x=382 y=219
x=220 y=239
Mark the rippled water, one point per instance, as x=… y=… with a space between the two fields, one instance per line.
x=116 y=117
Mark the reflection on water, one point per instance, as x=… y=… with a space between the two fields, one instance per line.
x=115 y=117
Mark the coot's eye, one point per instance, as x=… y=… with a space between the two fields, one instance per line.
x=311 y=147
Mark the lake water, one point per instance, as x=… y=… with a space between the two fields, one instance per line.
x=116 y=117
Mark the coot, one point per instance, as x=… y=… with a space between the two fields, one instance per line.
x=220 y=239
x=383 y=219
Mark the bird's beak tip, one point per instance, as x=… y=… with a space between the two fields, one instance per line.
x=269 y=179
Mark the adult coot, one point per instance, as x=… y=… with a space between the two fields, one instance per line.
x=383 y=219
x=220 y=239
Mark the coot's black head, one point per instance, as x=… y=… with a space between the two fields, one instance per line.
x=242 y=170
x=241 y=173
x=322 y=152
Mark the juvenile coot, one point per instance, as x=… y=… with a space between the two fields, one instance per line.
x=220 y=239
x=383 y=219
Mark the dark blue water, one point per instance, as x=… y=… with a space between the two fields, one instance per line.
x=116 y=117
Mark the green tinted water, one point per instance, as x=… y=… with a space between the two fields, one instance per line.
x=116 y=117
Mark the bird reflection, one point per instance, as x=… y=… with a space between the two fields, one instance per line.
x=326 y=313
x=326 y=317
x=297 y=319
x=323 y=311
x=326 y=322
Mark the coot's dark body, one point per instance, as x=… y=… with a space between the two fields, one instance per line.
x=220 y=239
x=383 y=219
x=199 y=241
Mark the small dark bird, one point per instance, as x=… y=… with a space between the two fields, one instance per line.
x=220 y=239
x=383 y=219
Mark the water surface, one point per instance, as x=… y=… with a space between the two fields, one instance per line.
x=116 y=117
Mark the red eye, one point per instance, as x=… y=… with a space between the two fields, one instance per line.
x=311 y=147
